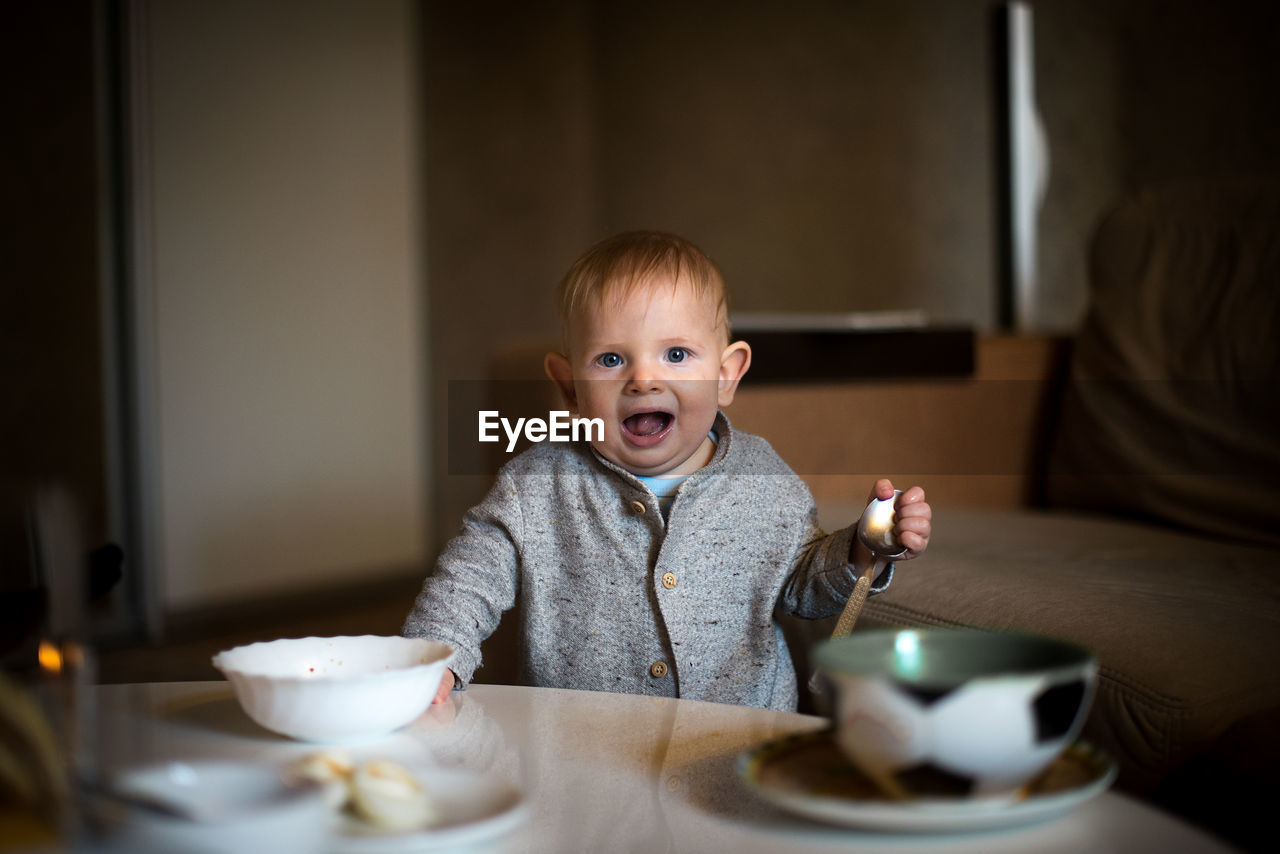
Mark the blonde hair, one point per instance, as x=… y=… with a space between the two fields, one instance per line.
x=618 y=266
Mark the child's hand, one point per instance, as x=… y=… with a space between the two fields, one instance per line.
x=446 y=685
x=913 y=522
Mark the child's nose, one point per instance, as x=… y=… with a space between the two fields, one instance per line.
x=639 y=387
x=645 y=379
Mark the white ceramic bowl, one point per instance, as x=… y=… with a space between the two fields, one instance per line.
x=218 y=808
x=339 y=689
x=956 y=712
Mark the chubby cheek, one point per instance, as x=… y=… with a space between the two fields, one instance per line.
x=596 y=401
x=700 y=396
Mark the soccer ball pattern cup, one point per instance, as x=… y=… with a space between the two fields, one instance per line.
x=955 y=712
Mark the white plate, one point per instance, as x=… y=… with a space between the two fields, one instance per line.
x=806 y=775
x=223 y=806
x=476 y=808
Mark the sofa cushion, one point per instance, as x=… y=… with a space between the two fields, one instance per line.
x=1171 y=412
x=1185 y=629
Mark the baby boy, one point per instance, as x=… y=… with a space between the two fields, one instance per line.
x=652 y=559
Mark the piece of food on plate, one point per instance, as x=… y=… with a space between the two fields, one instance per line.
x=385 y=794
x=330 y=768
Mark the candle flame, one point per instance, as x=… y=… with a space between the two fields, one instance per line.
x=50 y=657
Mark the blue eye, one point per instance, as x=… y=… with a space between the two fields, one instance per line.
x=609 y=360
x=677 y=354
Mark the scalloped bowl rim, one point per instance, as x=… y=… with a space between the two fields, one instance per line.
x=434 y=652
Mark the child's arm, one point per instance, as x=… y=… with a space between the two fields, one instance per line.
x=473 y=582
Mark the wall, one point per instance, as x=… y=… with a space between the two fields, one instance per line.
x=511 y=191
x=282 y=239
x=832 y=156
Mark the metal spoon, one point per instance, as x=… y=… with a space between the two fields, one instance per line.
x=875 y=531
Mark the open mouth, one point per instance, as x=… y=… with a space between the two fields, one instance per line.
x=647 y=425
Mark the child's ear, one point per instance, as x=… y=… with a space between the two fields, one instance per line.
x=561 y=373
x=734 y=362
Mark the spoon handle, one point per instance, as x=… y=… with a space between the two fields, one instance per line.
x=857 y=598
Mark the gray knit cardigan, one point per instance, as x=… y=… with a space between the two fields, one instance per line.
x=615 y=599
